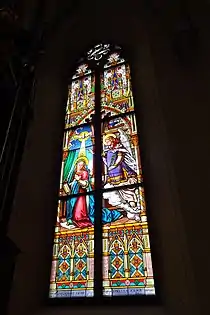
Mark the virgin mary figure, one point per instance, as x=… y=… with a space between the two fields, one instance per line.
x=80 y=209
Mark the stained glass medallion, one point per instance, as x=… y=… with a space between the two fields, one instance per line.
x=114 y=59
x=98 y=51
x=81 y=71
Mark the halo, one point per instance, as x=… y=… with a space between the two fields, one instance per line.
x=108 y=135
x=82 y=158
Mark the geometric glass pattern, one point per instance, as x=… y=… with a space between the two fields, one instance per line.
x=72 y=267
x=110 y=119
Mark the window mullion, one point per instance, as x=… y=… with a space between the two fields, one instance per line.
x=98 y=190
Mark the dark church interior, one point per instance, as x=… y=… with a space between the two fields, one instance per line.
x=169 y=50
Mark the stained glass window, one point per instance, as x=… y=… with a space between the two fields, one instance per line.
x=101 y=195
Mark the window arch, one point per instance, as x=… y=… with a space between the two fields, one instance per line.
x=101 y=240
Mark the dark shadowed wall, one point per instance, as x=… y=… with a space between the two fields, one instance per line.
x=172 y=102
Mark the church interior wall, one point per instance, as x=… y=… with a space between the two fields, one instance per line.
x=172 y=108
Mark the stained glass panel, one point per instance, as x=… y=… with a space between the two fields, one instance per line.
x=127 y=265
x=114 y=59
x=120 y=154
x=116 y=92
x=81 y=99
x=72 y=270
x=98 y=51
x=82 y=70
x=73 y=256
x=78 y=150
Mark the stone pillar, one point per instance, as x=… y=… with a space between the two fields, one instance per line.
x=54 y=268
x=90 y=260
x=127 y=270
x=134 y=139
x=105 y=266
x=72 y=265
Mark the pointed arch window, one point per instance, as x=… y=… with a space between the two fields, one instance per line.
x=101 y=241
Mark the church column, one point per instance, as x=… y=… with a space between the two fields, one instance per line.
x=93 y=142
x=149 y=285
x=98 y=184
x=65 y=154
x=105 y=266
x=63 y=187
x=126 y=267
x=142 y=205
x=134 y=139
x=61 y=176
x=90 y=261
x=72 y=261
x=54 y=268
